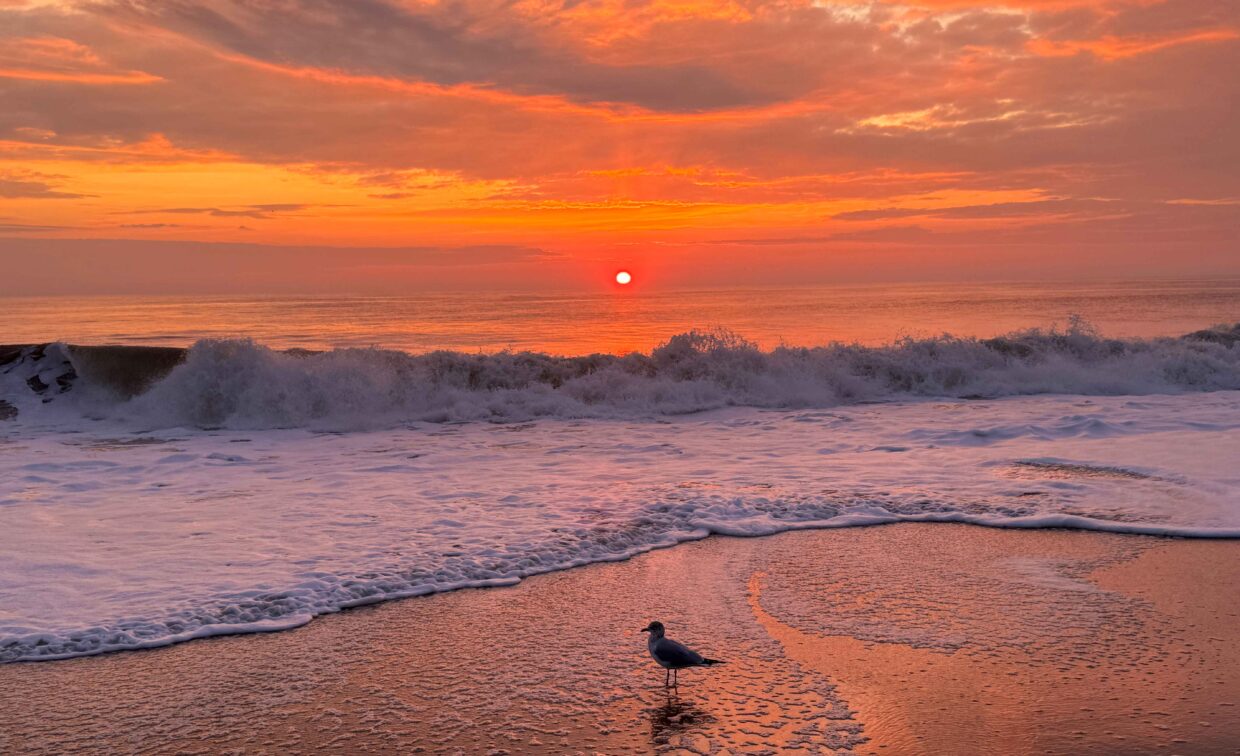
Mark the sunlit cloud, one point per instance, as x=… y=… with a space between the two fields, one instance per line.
x=32 y=185
x=55 y=59
x=1111 y=47
x=670 y=129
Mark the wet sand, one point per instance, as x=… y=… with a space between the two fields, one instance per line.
x=896 y=639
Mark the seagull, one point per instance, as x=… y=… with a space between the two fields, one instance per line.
x=671 y=655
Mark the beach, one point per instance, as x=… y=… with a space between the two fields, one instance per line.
x=905 y=638
x=387 y=377
x=1015 y=545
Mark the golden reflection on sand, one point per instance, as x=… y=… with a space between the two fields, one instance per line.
x=909 y=699
x=916 y=700
x=1107 y=645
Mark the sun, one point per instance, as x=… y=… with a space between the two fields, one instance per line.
x=624 y=277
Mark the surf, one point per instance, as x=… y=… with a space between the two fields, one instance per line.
x=242 y=384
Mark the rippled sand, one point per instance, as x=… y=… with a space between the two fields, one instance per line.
x=896 y=639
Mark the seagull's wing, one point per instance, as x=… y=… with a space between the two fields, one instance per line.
x=674 y=655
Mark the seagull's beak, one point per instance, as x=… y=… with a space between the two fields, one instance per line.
x=645 y=629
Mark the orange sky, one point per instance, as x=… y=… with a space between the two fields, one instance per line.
x=382 y=145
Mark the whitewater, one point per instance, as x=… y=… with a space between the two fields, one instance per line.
x=233 y=488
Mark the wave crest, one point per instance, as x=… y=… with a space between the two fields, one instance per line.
x=241 y=384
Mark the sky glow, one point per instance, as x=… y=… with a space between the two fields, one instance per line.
x=382 y=145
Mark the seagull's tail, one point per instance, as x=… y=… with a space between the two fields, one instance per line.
x=709 y=662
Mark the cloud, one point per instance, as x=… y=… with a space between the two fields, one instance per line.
x=1111 y=47
x=30 y=228
x=881 y=213
x=137 y=266
x=336 y=84
x=445 y=45
x=258 y=212
x=989 y=211
x=28 y=185
x=662 y=125
x=61 y=60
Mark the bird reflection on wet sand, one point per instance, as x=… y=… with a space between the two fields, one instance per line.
x=676 y=716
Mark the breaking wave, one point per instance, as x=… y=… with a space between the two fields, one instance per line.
x=240 y=384
x=245 y=532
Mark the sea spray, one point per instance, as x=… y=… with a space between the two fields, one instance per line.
x=241 y=384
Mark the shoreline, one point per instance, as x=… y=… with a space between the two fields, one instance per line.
x=251 y=529
x=1038 y=524
x=812 y=643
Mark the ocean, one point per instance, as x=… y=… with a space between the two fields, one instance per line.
x=426 y=443
x=616 y=321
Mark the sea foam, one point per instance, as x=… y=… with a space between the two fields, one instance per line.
x=244 y=385
x=214 y=502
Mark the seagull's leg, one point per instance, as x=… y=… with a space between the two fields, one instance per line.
x=667 y=677
x=675 y=678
